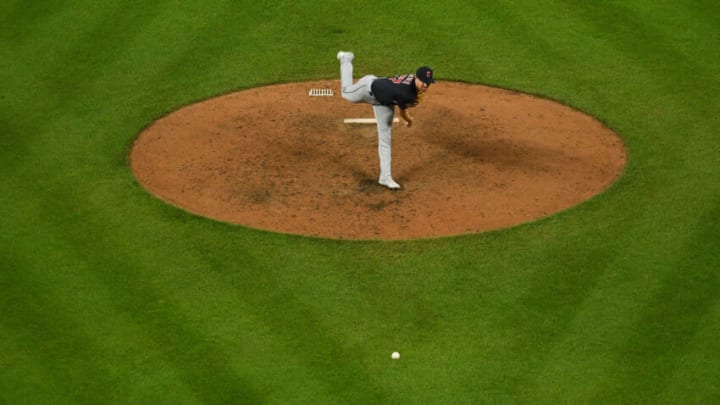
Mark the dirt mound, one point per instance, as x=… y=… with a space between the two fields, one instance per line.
x=478 y=158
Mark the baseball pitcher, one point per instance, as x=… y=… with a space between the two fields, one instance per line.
x=403 y=91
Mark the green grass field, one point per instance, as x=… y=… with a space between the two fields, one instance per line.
x=109 y=296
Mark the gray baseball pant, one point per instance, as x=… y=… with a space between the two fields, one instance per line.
x=360 y=93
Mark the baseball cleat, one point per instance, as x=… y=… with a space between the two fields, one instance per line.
x=342 y=55
x=389 y=183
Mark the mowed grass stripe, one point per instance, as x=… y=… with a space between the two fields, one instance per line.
x=160 y=306
x=692 y=380
x=70 y=320
x=64 y=70
x=608 y=330
x=60 y=317
x=683 y=299
x=691 y=50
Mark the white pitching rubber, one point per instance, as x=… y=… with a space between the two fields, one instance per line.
x=364 y=120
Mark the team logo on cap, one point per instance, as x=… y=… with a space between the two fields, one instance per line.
x=425 y=74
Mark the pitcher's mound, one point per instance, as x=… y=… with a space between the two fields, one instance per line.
x=477 y=158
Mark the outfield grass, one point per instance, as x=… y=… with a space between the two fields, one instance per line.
x=109 y=296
